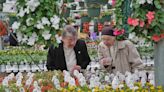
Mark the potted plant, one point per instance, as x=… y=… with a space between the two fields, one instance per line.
x=70 y=1
x=96 y=1
x=81 y=4
x=85 y=17
x=66 y=12
x=73 y=7
x=93 y=10
x=105 y=16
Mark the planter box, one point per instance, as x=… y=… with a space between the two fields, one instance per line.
x=93 y=12
x=9 y=68
x=2 y=68
x=15 y=68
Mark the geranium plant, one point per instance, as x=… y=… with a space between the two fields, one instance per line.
x=147 y=19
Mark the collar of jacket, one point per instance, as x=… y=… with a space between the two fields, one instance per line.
x=120 y=44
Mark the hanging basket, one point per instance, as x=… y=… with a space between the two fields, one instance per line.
x=66 y=12
x=85 y=19
x=70 y=1
x=109 y=6
x=92 y=1
x=105 y=18
x=103 y=2
x=73 y=7
x=93 y=12
x=2 y=1
x=81 y=4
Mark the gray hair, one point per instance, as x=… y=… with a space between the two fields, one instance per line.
x=69 y=31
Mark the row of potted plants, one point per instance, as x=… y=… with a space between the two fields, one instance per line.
x=57 y=81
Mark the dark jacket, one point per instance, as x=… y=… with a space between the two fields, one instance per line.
x=56 y=58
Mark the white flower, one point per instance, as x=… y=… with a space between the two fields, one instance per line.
x=55 y=26
x=28 y=21
x=72 y=82
x=32 y=39
x=39 y=25
x=115 y=82
x=33 y=4
x=27 y=10
x=19 y=36
x=136 y=87
x=55 y=21
x=107 y=78
x=46 y=35
x=45 y=21
x=141 y=1
x=132 y=35
x=58 y=38
x=25 y=38
x=15 y=25
x=121 y=86
x=149 y=1
x=21 y=12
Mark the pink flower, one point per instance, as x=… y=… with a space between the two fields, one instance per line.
x=155 y=37
x=150 y=21
x=130 y=21
x=133 y=22
x=113 y=2
x=118 y=32
x=150 y=15
x=142 y=23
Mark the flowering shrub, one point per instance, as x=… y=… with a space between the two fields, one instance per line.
x=147 y=19
x=38 y=22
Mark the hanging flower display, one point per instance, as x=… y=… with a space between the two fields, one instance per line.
x=37 y=17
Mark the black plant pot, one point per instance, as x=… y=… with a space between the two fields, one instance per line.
x=85 y=19
x=105 y=18
x=93 y=12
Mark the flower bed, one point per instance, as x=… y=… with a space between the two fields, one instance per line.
x=57 y=81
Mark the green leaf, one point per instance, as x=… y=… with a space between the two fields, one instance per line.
x=161 y=20
x=154 y=23
x=131 y=29
x=157 y=4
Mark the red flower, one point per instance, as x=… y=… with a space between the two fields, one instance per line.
x=156 y=38
x=142 y=23
x=118 y=32
x=162 y=36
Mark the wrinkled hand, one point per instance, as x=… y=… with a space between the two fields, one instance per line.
x=105 y=61
x=76 y=67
